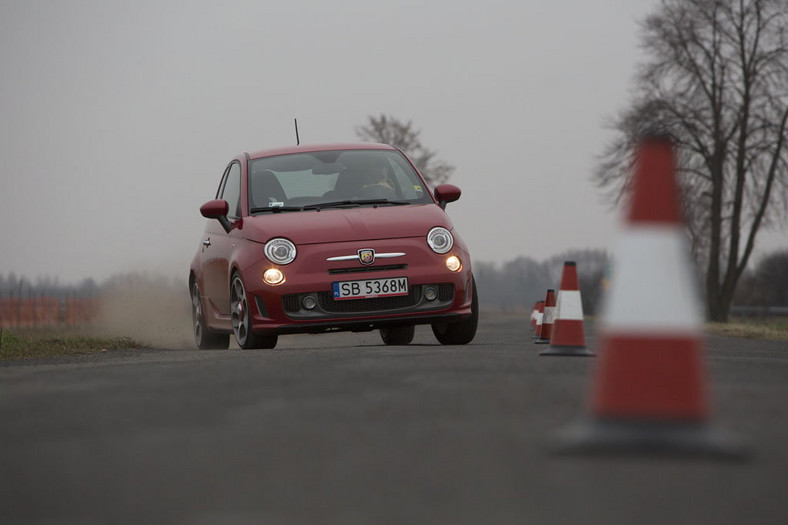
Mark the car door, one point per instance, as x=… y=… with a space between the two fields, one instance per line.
x=217 y=244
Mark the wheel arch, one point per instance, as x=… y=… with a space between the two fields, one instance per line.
x=234 y=269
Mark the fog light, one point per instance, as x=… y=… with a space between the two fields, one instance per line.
x=430 y=293
x=309 y=302
x=273 y=276
x=453 y=264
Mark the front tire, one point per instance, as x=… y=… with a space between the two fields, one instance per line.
x=459 y=332
x=241 y=318
x=205 y=338
x=398 y=335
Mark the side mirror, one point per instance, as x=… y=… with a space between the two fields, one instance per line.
x=446 y=193
x=217 y=209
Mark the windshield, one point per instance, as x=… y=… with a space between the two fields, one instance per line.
x=333 y=179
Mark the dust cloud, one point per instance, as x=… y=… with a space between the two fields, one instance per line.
x=149 y=309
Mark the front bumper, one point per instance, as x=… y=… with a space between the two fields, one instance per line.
x=327 y=307
x=281 y=309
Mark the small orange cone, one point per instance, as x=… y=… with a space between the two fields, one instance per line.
x=568 y=336
x=547 y=319
x=539 y=318
x=649 y=389
x=534 y=313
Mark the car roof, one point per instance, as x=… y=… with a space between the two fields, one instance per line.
x=307 y=148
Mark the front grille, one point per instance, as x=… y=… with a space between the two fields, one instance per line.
x=366 y=269
x=290 y=303
x=445 y=292
x=376 y=304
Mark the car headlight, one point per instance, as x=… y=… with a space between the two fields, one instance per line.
x=280 y=251
x=440 y=240
x=273 y=276
x=453 y=263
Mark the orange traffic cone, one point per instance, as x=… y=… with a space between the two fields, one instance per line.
x=649 y=389
x=568 y=336
x=547 y=319
x=534 y=313
x=539 y=318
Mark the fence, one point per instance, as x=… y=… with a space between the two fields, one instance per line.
x=46 y=311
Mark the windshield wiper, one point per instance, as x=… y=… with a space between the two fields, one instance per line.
x=381 y=201
x=276 y=209
x=352 y=202
x=335 y=204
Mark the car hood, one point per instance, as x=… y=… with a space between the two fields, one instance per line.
x=340 y=225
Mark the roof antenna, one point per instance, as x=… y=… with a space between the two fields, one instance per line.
x=298 y=141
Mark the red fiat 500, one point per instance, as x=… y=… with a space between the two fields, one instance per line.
x=311 y=239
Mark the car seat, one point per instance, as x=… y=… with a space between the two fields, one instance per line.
x=349 y=183
x=266 y=189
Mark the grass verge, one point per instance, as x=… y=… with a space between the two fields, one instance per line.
x=774 y=328
x=20 y=346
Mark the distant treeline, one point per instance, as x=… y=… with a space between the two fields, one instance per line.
x=766 y=284
x=12 y=286
x=518 y=284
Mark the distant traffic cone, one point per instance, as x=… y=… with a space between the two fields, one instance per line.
x=539 y=318
x=568 y=335
x=649 y=392
x=534 y=313
x=547 y=319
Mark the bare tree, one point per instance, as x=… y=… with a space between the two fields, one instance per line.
x=388 y=130
x=716 y=79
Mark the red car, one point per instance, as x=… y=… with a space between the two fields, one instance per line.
x=310 y=239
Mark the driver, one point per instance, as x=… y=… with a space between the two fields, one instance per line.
x=377 y=184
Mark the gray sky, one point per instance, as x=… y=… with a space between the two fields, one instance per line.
x=117 y=118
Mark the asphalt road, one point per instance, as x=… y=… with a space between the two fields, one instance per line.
x=340 y=429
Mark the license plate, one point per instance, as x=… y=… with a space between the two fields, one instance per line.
x=370 y=288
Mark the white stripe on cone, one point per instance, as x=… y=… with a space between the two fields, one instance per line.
x=549 y=315
x=569 y=305
x=653 y=289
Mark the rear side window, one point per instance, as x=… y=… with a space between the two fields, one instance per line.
x=231 y=190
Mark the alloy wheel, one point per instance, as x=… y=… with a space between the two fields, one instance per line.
x=239 y=310
x=197 y=313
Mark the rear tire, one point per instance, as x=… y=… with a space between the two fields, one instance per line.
x=205 y=338
x=241 y=318
x=398 y=335
x=459 y=332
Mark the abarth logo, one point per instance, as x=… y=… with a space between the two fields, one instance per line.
x=366 y=256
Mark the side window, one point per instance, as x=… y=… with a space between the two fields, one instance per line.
x=231 y=192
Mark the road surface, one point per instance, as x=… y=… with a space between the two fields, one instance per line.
x=341 y=429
